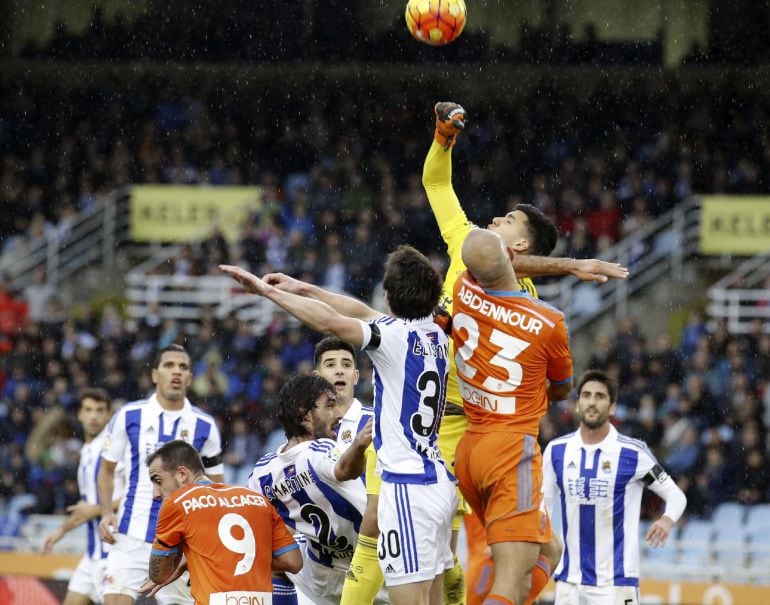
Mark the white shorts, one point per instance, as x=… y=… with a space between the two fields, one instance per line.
x=415 y=530
x=128 y=568
x=88 y=578
x=321 y=585
x=578 y=594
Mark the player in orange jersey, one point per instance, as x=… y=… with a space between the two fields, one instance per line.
x=532 y=236
x=512 y=357
x=231 y=536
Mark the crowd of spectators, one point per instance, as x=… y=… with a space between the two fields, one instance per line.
x=340 y=175
x=340 y=168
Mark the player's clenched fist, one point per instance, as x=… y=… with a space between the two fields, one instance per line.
x=450 y=120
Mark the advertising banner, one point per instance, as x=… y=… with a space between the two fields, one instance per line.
x=180 y=213
x=732 y=224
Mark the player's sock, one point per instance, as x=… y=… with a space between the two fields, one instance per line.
x=540 y=574
x=496 y=599
x=454 y=584
x=284 y=592
x=364 y=578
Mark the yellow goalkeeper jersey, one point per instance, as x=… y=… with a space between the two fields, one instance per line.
x=454 y=226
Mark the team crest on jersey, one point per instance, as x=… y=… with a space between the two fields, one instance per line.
x=347 y=435
x=606 y=466
x=290 y=471
x=185 y=434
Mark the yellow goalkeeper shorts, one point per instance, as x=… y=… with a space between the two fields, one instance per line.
x=449 y=433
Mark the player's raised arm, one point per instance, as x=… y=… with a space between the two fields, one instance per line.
x=313 y=313
x=437 y=170
x=591 y=269
x=345 y=305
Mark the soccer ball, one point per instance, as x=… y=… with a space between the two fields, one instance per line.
x=435 y=22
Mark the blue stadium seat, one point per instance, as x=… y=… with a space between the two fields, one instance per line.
x=759 y=560
x=696 y=538
x=660 y=557
x=758 y=517
x=729 y=514
x=729 y=546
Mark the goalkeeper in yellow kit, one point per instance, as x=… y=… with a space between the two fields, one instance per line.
x=533 y=237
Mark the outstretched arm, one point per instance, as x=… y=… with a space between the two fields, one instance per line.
x=314 y=314
x=344 y=305
x=600 y=271
x=437 y=169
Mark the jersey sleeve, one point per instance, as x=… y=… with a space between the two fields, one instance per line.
x=283 y=541
x=450 y=217
x=212 y=450
x=437 y=181
x=559 y=356
x=116 y=440
x=647 y=467
x=169 y=531
x=669 y=491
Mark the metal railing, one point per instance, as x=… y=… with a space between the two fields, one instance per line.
x=743 y=295
x=659 y=248
x=94 y=235
x=184 y=297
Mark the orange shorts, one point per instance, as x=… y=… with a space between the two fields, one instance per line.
x=501 y=476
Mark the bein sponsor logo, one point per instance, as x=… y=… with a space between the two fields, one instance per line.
x=241 y=597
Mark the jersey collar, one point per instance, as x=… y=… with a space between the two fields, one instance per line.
x=605 y=444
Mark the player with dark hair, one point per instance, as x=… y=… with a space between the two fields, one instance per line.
x=139 y=428
x=335 y=360
x=315 y=486
x=531 y=236
x=595 y=477
x=231 y=537
x=85 y=585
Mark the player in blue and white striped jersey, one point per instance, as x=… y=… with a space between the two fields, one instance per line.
x=314 y=486
x=86 y=584
x=409 y=352
x=335 y=360
x=593 y=480
x=135 y=431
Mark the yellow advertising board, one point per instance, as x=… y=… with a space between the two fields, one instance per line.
x=665 y=592
x=731 y=224
x=182 y=213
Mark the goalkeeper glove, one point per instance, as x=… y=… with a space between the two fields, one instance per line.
x=450 y=120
